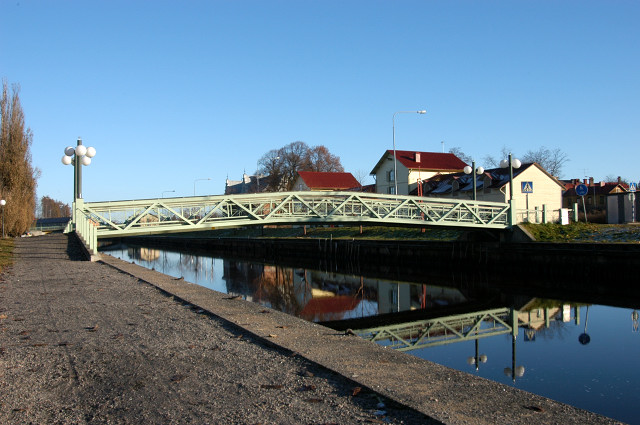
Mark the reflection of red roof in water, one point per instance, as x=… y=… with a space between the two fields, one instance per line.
x=328 y=308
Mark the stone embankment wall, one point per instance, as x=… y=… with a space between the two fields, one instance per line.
x=594 y=269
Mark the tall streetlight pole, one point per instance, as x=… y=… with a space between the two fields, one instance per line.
x=258 y=176
x=78 y=156
x=194 y=184
x=475 y=171
x=395 y=160
x=511 y=163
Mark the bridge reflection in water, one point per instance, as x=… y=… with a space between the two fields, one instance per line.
x=507 y=333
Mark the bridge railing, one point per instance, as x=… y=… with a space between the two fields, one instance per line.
x=85 y=227
x=149 y=216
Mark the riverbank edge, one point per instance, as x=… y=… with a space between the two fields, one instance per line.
x=444 y=394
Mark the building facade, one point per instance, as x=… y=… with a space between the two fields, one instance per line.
x=412 y=166
x=534 y=189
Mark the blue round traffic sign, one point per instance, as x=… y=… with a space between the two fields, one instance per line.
x=581 y=189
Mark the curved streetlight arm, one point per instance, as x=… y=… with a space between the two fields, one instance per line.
x=194 y=184
x=395 y=160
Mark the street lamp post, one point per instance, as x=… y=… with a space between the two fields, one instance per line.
x=395 y=160
x=475 y=171
x=2 y=204
x=194 y=184
x=258 y=176
x=81 y=155
x=78 y=156
x=511 y=163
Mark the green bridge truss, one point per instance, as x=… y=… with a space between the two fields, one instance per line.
x=93 y=220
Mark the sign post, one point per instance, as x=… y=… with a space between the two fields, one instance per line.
x=632 y=198
x=582 y=190
x=527 y=188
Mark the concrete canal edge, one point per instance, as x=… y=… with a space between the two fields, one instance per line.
x=444 y=394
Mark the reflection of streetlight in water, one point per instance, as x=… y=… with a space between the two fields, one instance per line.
x=634 y=320
x=477 y=359
x=514 y=371
x=584 y=338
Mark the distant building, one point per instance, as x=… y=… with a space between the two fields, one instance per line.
x=623 y=208
x=248 y=184
x=596 y=197
x=605 y=202
x=325 y=181
x=412 y=166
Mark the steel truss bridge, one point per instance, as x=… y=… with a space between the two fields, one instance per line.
x=93 y=220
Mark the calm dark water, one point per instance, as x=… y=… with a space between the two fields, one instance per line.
x=584 y=354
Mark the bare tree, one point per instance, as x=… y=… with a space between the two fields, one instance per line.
x=279 y=166
x=463 y=156
x=361 y=176
x=270 y=171
x=493 y=162
x=551 y=160
x=295 y=158
x=17 y=176
x=320 y=159
x=612 y=178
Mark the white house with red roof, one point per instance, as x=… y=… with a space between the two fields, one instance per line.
x=412 y=166
x=324 y=181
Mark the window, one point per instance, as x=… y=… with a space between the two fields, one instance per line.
x=392 y=190
x=391 y=176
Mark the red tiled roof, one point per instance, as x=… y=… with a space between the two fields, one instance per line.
x=429 y=160
x=324 y=180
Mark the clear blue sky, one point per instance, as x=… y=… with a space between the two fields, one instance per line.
x=173 y=91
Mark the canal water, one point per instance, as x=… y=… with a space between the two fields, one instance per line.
x=581 y=353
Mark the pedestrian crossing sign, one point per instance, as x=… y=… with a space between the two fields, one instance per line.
x=527 y=187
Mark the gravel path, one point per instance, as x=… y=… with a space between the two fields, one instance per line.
x=83 y=342
x=112 y=342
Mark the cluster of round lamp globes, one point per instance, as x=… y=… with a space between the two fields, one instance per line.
x=503 y=164
x=84 y=153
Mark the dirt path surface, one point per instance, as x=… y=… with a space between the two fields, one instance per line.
x=85 y=342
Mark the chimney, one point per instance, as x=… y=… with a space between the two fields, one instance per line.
x=585 y=181
x=619 y=179
x=417 y=156
x=590 y=181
